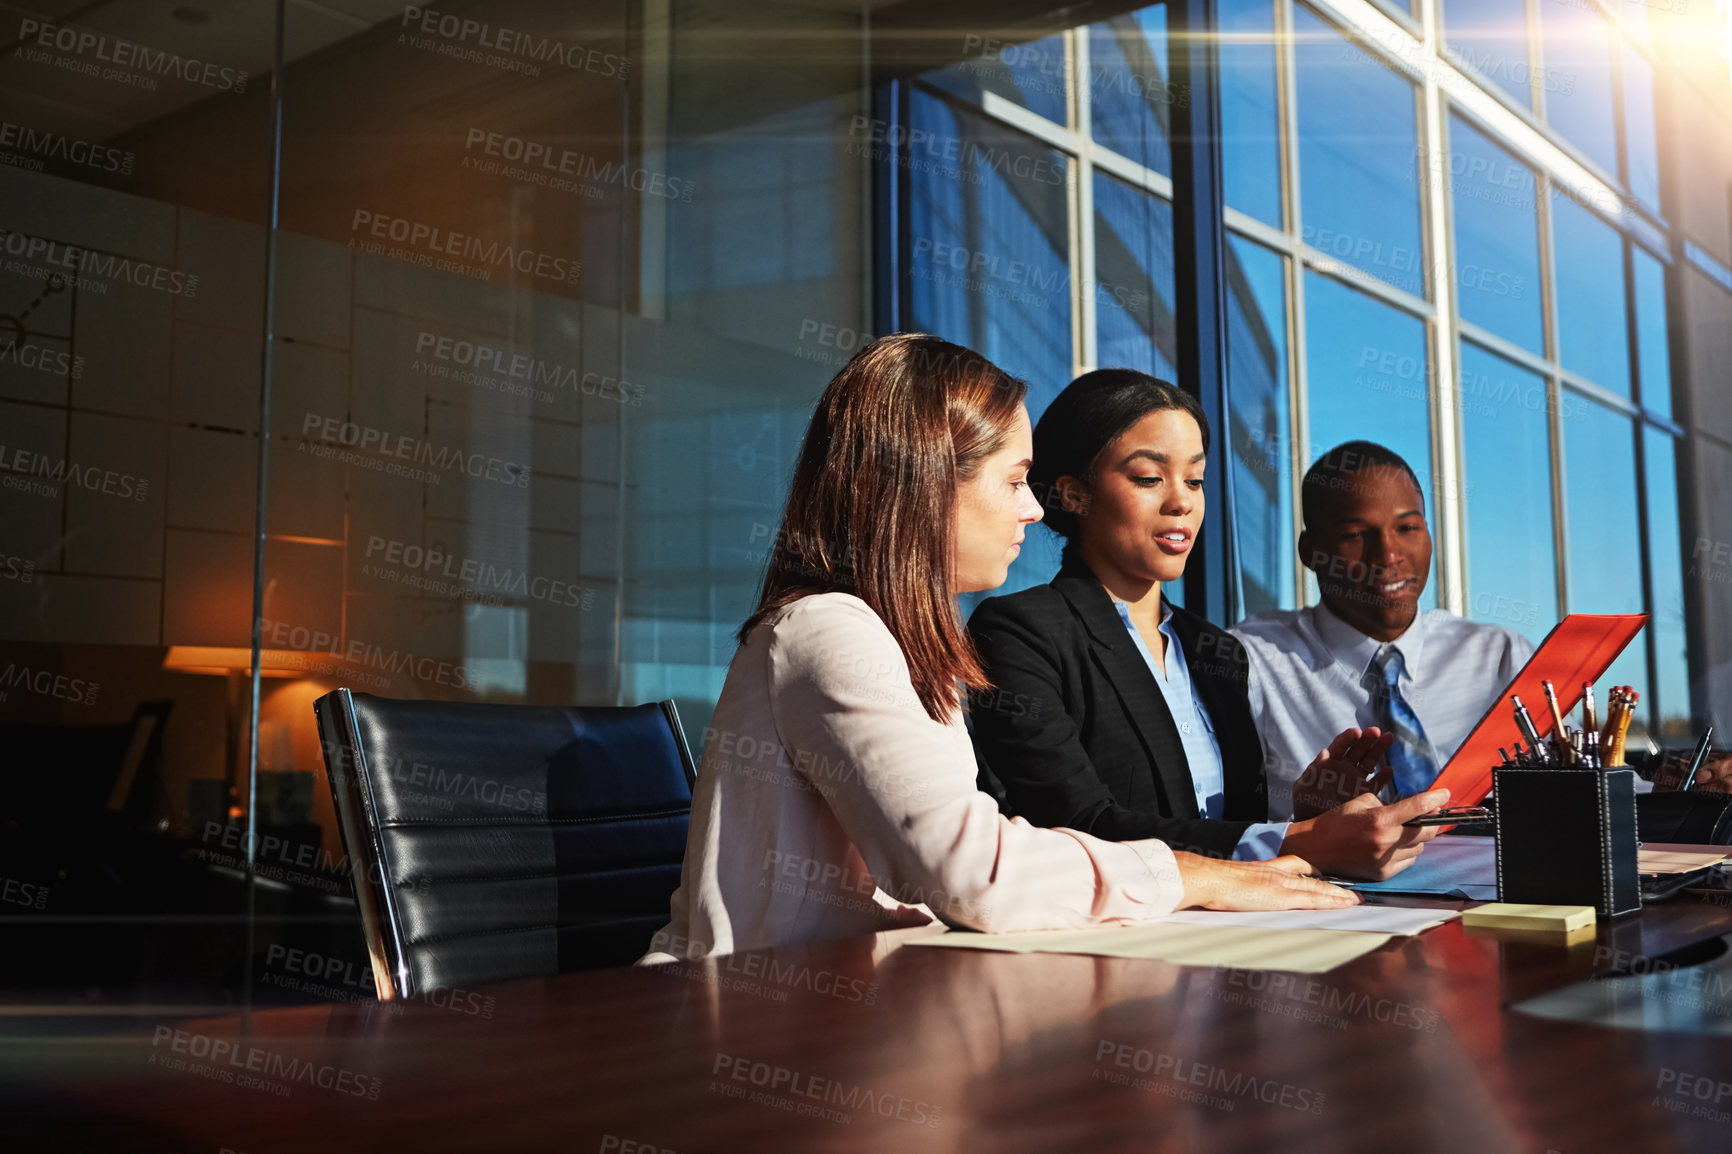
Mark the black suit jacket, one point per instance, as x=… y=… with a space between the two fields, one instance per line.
x=1078 y=734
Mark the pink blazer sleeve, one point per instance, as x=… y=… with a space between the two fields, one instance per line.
x=903 y=788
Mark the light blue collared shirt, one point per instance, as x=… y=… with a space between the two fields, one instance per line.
x=1262 y=840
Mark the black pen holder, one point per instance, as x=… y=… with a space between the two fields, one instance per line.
x=1567 y=837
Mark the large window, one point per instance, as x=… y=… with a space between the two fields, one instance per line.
x=1130 y=97
x=990 y=260
x=1666 y=551
x=1250 y=109
x=1403 y=266
x=1260 y=437
x=1040 y=215
x=1491 y=37
x=1497 y=248
x=1133 y=288
x=1641 y=143
x=1032 y=75
x=1654 y=362
x=1588 y=255
x=1605 y=572
x=1506 y=451
x=1358 y=157
x=1581 y=101
x=1368 y=378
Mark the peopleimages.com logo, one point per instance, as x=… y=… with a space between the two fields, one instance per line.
x=111 y=58
x=546 y=163
x=431 y=241
x=509 y=49
x=496 y=360
x=473 y=578
x=76 y=259
x=44 y=144
x=42 y=475
x=226 y=1060
x=407 y=451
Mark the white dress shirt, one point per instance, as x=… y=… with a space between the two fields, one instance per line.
x=1309 y=682
x=1262 y=840
x=829 y=803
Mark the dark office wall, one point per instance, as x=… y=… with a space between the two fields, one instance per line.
x=551 y=291
x=1698 y=159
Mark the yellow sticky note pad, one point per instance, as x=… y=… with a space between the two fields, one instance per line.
x=1529 y=918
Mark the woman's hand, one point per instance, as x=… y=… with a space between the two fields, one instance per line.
x=1342 y=772
x=1280 y=884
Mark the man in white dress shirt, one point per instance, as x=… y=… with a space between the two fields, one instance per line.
x=1367 y=656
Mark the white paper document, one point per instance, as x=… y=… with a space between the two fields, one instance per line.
x=1367 y=919
x=1659 y=857
x=1240 y=947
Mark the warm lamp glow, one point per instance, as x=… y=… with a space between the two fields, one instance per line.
x=223 y=660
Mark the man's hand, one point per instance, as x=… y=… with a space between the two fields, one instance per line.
x=1364 y=838
x=1341 y=772
x=1713 y=776
x=1280 y=884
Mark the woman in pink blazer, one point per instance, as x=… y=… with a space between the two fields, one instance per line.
x=837 y=790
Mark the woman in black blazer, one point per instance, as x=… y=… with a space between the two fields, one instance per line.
x=1077 y=730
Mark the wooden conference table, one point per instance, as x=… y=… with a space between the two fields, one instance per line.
x=871 y=1044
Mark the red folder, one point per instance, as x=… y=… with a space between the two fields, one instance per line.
x=1579 y=649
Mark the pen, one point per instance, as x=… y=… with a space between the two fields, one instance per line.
x=1618 y=714
x=1696 y=762
x=1588 y=721
x=1525 y=724
x=1504 y=753
x=1558 y=730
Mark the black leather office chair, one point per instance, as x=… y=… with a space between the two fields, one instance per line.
x=490 y=842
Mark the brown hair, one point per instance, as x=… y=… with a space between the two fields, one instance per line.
x=873 y=501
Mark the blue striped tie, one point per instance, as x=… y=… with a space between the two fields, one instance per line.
x=1411 y=757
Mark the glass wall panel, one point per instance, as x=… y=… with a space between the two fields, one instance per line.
x=1588 y=254
x=1130 y=96
x=1668 y=709
x=1577 y=46
x=1641 y=136
x=1491 y=36
x=1399 y=7
x=1250 y=109
x=553 y=296
x=132 y=316
x=1031 y=74
x=1358 y=160
x=1604 y=566
x=991 y=263
x=991 y=268
x=1497 y=248
x=763 y=302
x=1133 y=289
x=468 y=255
x=1261 y=437
x=1653 y=359
x=1507 y=486
x=1133 y=293
x=1367 y=379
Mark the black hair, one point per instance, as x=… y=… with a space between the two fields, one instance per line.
x=1328 y=474
x=1084 y=419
